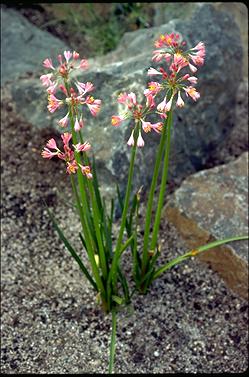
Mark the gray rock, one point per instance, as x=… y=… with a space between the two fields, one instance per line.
x=198 y=128
x=212 y=205
x=24 y=46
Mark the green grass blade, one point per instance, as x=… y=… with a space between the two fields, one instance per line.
x=124 y=284
x=72 y=250
x=96 y=185
x=195 y=252
x=83 y=241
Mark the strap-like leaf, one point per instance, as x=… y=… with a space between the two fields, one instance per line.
x=195 y=252
x=72 y=251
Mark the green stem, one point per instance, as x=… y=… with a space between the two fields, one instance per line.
x=113 y=341
x=88 y=243
x=127 y=198
x=96 y=219
x=163 y=185
x=113 y=271
x=151 y=197
x=83 y=195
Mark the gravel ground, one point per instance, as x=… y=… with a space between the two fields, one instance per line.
x=189 y=322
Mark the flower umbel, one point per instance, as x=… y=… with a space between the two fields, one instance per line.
x=177 y=57
x=68 y=155
x=71 y=92
x=138 y=113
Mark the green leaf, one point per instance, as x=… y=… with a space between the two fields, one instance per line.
x=195 y=252
x=96 y=185
x=124 y=284
x=117 y=299
x=72 y=251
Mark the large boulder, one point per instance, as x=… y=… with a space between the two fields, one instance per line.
x=24 y=46
x=198 y=128
x=213 y=205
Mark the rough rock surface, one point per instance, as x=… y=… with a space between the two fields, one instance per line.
x=212 y=205
x=50 y=323
x=23 y=46
x=198 y=129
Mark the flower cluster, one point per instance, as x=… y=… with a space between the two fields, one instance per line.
x=171 y=49
x=138 y=112
x=74 y=93
x=68 y=155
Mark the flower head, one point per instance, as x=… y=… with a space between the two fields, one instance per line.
x=172 y=49
x=68 y=155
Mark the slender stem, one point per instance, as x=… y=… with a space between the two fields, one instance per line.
x=96 y=219
x=88 y=243
x=163 y=185
x=127 y=198
x=83 y=196
x=113 y=271
x=151 y=197
x=113 y=341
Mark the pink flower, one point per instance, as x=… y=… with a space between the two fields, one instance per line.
x=153 y=88
x=185 y=77
x=81 y=123
x=122 y=98
x=52 y=144
x=165 y=106
x=132 y=97
x=169 y=104
x=117 y=120
x=192 y=92
x=66 y=137
x=150 y=101
x=53 y=103
x=64 y=121
x=153 y=71
x=48 y=63
x=199 y=46
x=52 y=88
x=192 y=68
x=140 y=140
x=67 y=55
x=84 y=64
x=197 y=60
x=131 y=140
x=93 y=105
x=46 y=153
x=158 y=55
x=72 y=167
x=146 y=126
x=46 y=79
x=86 y=171
x=157 y=127
x=179 y=102
x=82 y=147
x=77 y=125
x=192 y=79
x=76 y=55
x=162 y=105
x=84 y=88
x=59 y=57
